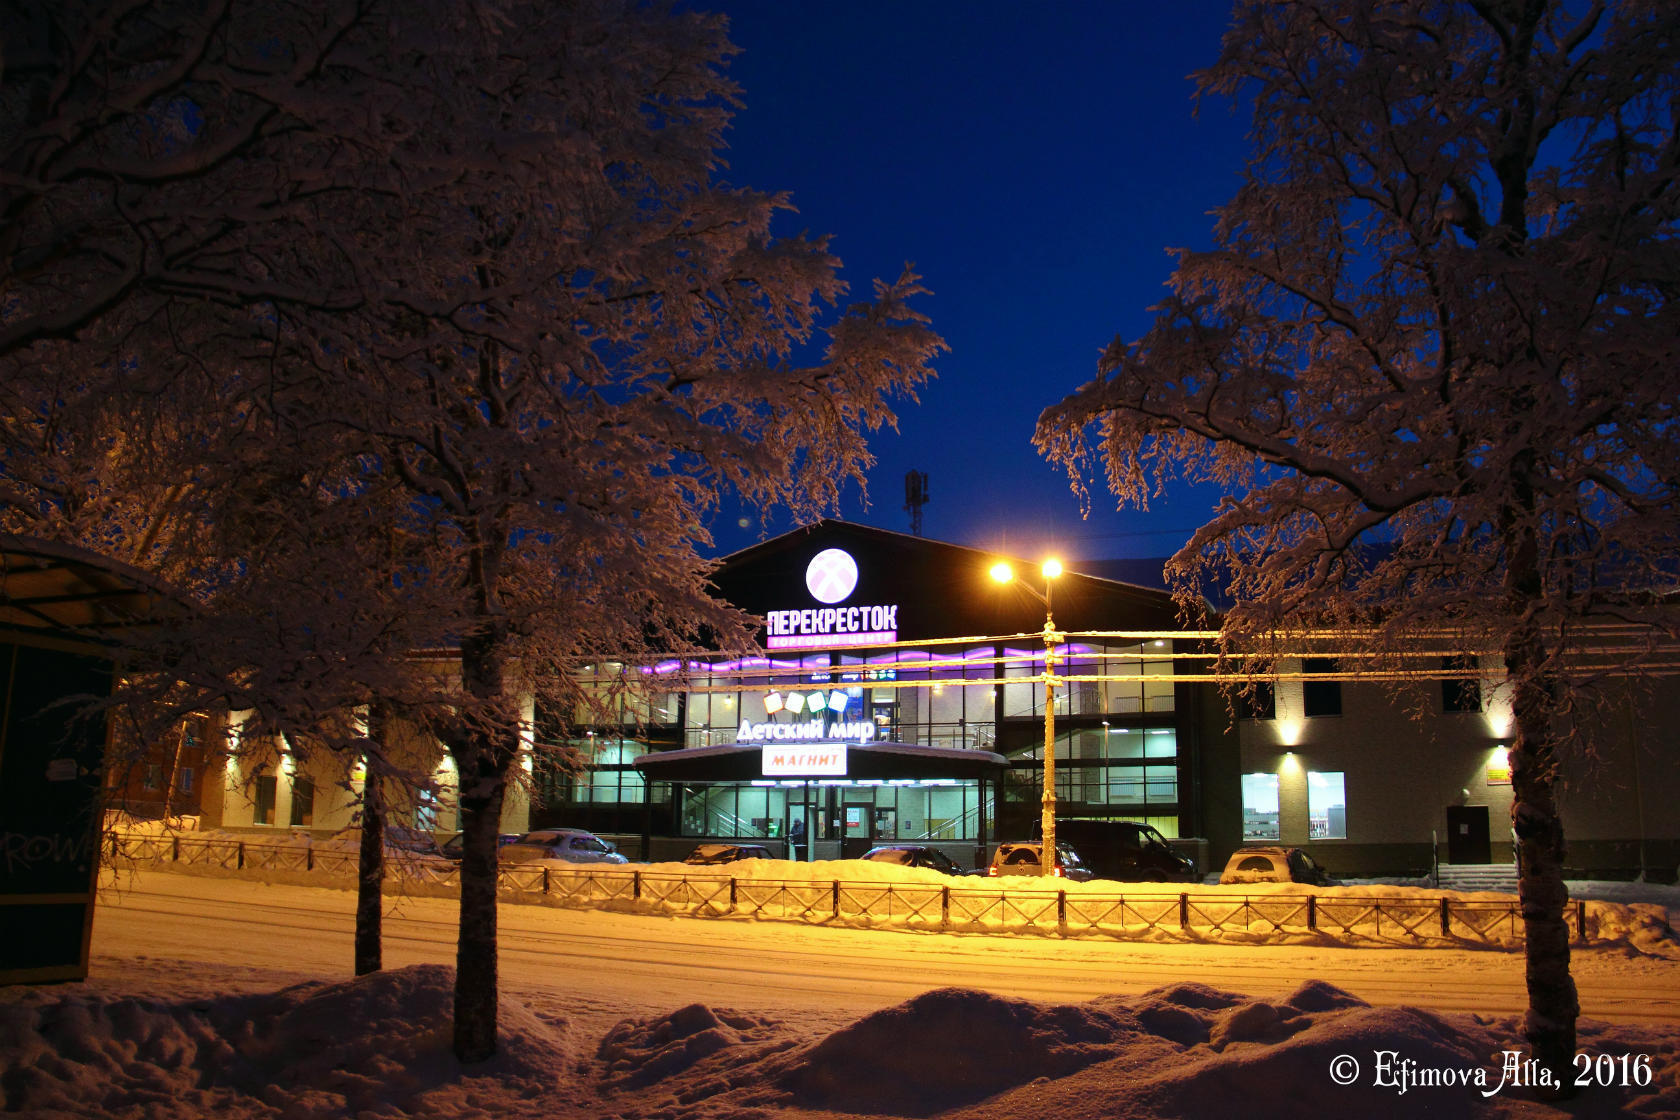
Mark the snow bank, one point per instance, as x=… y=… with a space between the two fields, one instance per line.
x=378 y=1047
x=379 y=1043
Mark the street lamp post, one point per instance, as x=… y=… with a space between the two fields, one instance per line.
x=1003 y=573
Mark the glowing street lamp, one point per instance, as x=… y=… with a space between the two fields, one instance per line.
x=1003 y=573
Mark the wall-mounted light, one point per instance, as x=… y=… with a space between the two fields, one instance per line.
x=1291 y=764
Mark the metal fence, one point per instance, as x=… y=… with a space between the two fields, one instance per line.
x=967 y=906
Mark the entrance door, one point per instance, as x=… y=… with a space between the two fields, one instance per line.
x=1467 y=834
x=885 y=717
x=858 y=829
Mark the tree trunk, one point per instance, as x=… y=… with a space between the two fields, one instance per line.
x=370 y=877
x=1552 y=1002
x=482 y=760
x=475 y=949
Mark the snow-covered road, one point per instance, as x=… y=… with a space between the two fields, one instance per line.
x=603 y=966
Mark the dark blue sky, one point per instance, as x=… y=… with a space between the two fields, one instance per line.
x=1034 y=161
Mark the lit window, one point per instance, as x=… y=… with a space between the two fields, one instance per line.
x=1260 y=806
x=1326 y=806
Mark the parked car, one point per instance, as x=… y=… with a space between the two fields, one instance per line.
x=571 y=844
x=915 y=855
x=1020 y=857
x=727 y=853
x=1273 y=864
x=1124 y=850
x=402 y=839
x=452 y=846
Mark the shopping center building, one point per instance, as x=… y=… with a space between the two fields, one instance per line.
x=898 y=696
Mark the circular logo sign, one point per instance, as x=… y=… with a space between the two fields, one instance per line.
x=831 y=575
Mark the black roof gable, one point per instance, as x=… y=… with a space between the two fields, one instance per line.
x=938 y=589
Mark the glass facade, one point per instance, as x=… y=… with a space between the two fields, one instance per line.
x=929 y=811
x=1118 y=753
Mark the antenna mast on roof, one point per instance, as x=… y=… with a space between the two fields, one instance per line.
x=915 y=497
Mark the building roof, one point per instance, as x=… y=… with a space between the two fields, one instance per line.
x=52 y=592
x=940 y=589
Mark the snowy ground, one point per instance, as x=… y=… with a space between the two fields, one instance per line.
x=176 y=1032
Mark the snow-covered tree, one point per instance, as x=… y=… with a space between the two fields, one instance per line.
x=261 y=262
x=629 y=343
x=1433 y=359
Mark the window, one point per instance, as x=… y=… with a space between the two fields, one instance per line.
x=151 y=776
x=1321 y=698
x=1460 y=694
x=611 y=776
x=263 y=811
x=1260 y=806
x=303 y=802
x=1326 y=806
x=1257 y=701
x=184 y=779
x=426 y=811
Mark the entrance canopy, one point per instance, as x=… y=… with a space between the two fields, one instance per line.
x=60 y=595
x=742 y=762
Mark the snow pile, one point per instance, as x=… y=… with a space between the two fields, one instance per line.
x=694 y=1044
x=377 y=1043
x=378 y=1047
x=953 y=1046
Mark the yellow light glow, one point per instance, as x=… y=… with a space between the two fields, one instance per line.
x=1291 y=764
x=1289 y=732
x=1052 y=568
x=1002 y=572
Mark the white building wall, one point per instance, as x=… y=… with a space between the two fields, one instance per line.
x=1405 y=761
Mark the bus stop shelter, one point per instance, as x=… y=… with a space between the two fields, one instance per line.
x=63 y=613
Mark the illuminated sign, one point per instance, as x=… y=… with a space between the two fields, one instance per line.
x=856 y=730
x=832 y=626
x=1499 y=767
x=831 y=577
x=802 y=759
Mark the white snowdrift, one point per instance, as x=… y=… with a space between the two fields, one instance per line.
x=378 y=1046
